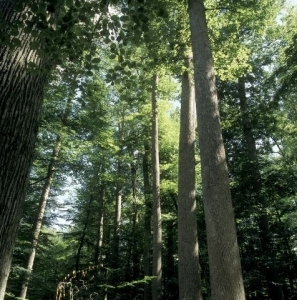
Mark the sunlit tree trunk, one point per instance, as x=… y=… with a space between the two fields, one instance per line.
x=21 y=94
x=157 y=225
x=274 y=285
x=188 y=256
x=224 y=260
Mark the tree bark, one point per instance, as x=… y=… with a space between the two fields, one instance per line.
x=21 y=94
x=224 y=260
x=157 y=223
x=274 y=285
x=188 y=253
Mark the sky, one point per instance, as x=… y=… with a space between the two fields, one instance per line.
x=294 y=2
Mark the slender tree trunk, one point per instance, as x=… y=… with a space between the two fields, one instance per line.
x=118 y=195
x=41 y=209
x=157 y=225
x=135 y=221
x=147 y=220
x=274 y=285
x=83 y=235
x=224 y=260
x=21 y=94
x=188 y=253
x=117 y=225
x=43 y=201
x=100 y=231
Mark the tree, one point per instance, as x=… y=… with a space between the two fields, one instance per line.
x=157 y=225
x=275 y=289
x=188 y=258
x=20 y=107
x=226 y=282
x=51 y=170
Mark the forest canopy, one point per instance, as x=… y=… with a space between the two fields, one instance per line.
x=148 y=149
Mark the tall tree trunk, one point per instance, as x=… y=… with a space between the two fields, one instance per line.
x=117 y=222
x=224 y=260
x=147 y=220
x=188 y=253
x=118 y=194
x=84 y=232
x=41 y=209
x=99 y=241
x=157 y=225
x=274 y=285
x=43 y=200
x=21 y=95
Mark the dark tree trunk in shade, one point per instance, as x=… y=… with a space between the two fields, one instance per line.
x=21 y=94
x=188 y=253
x=224 y=260
x=274 y=284
x=147 y=220
x=83 y=234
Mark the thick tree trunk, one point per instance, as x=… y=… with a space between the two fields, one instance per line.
x=157 y=225
x=224 y=260
x=21 y=94
x=147 y=221
x=188 y=254
x=274 y=285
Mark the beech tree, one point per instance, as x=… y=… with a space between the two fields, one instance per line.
x=227 y=282
x=21 y=98
x=188 y=250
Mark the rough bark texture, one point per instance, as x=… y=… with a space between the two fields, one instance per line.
x=224 y=260
x=157 y=225
x=21 y=94
x=274 y=284
x=188 y=257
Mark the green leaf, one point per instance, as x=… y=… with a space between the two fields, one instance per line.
x=35 y=45
x=16 y=42
x=96 y=60
x=114 y=17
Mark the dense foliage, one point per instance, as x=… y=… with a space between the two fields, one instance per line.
x=97 y=105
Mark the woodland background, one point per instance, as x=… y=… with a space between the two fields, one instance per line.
x=91 y=178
